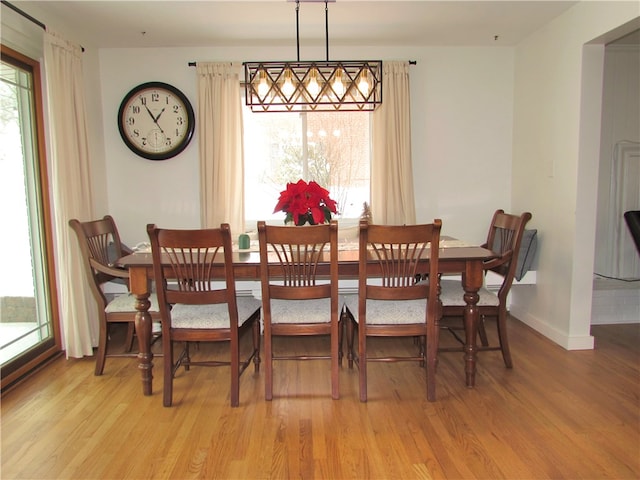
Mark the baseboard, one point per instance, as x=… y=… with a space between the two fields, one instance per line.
x=568 y=342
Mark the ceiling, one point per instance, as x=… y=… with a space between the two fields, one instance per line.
x=273 y=22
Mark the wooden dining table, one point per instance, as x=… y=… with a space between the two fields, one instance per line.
x=455 y=258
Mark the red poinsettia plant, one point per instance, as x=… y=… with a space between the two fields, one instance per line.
x=306 y=202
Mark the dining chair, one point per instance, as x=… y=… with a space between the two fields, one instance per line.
x=297 y=299
x=100 y=247
x=504 y=238
x=193 y=271
x=389 y=302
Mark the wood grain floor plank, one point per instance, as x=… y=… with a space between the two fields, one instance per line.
x=557 y=414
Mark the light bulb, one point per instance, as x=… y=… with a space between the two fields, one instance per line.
x=263 y=85
x=313 y=87
x=363 y=83
x=338 y=86
x=288 y=87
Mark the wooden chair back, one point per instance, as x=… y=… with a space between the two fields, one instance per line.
x=504 y=237
x=394 y=254
x=194 y=267
x=290 y=258
x=100 y=246
x=293 y=267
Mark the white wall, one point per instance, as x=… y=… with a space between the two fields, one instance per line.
x=461 y=143
x=462 y=150
x=558 y=90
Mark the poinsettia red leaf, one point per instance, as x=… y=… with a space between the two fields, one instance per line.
x=299 y=188
x=316 y=189
x=299 y=209
x=281 y=205
x=318 y=215
x=321 y=196
x=331 y=205
x=285 y=199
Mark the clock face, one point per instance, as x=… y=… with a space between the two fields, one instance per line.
x=156 y=121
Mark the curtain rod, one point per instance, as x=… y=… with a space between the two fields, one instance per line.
x=25 y=15
x=28 y=17
x=193 y=64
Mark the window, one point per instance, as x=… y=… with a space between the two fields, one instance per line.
x=28 y=312
x=331 y=148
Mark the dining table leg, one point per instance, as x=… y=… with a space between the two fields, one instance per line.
x=139 y=287
x=472 y=279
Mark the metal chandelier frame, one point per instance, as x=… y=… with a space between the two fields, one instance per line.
x=316 y=86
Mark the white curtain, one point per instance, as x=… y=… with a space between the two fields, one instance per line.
x=71 y=180
x=219 y=127
x=392 y=199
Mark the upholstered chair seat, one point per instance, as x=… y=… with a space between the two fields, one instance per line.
x=288 y=311
x=127 y=303
x=212 y=316
x=452 y=294
x=383 y=312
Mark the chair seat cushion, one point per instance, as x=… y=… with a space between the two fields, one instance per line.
x=301 y=311
x=127 y=303
x=389 y=312
x=211 y=316
x=452 y=295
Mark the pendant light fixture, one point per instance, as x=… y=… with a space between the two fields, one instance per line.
x=321 y=86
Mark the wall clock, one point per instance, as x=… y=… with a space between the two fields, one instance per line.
x=156 y=120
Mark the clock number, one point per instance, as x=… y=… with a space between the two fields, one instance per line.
x=155 y=97
x=131 y=121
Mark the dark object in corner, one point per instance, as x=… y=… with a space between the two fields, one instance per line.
x=632 y=217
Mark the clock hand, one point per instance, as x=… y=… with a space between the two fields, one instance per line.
x=155 y=119
x=150 y=114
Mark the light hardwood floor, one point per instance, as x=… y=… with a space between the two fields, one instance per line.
x=557 y=414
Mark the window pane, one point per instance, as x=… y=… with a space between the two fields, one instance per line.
x=26 y=321
x=331 y=148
